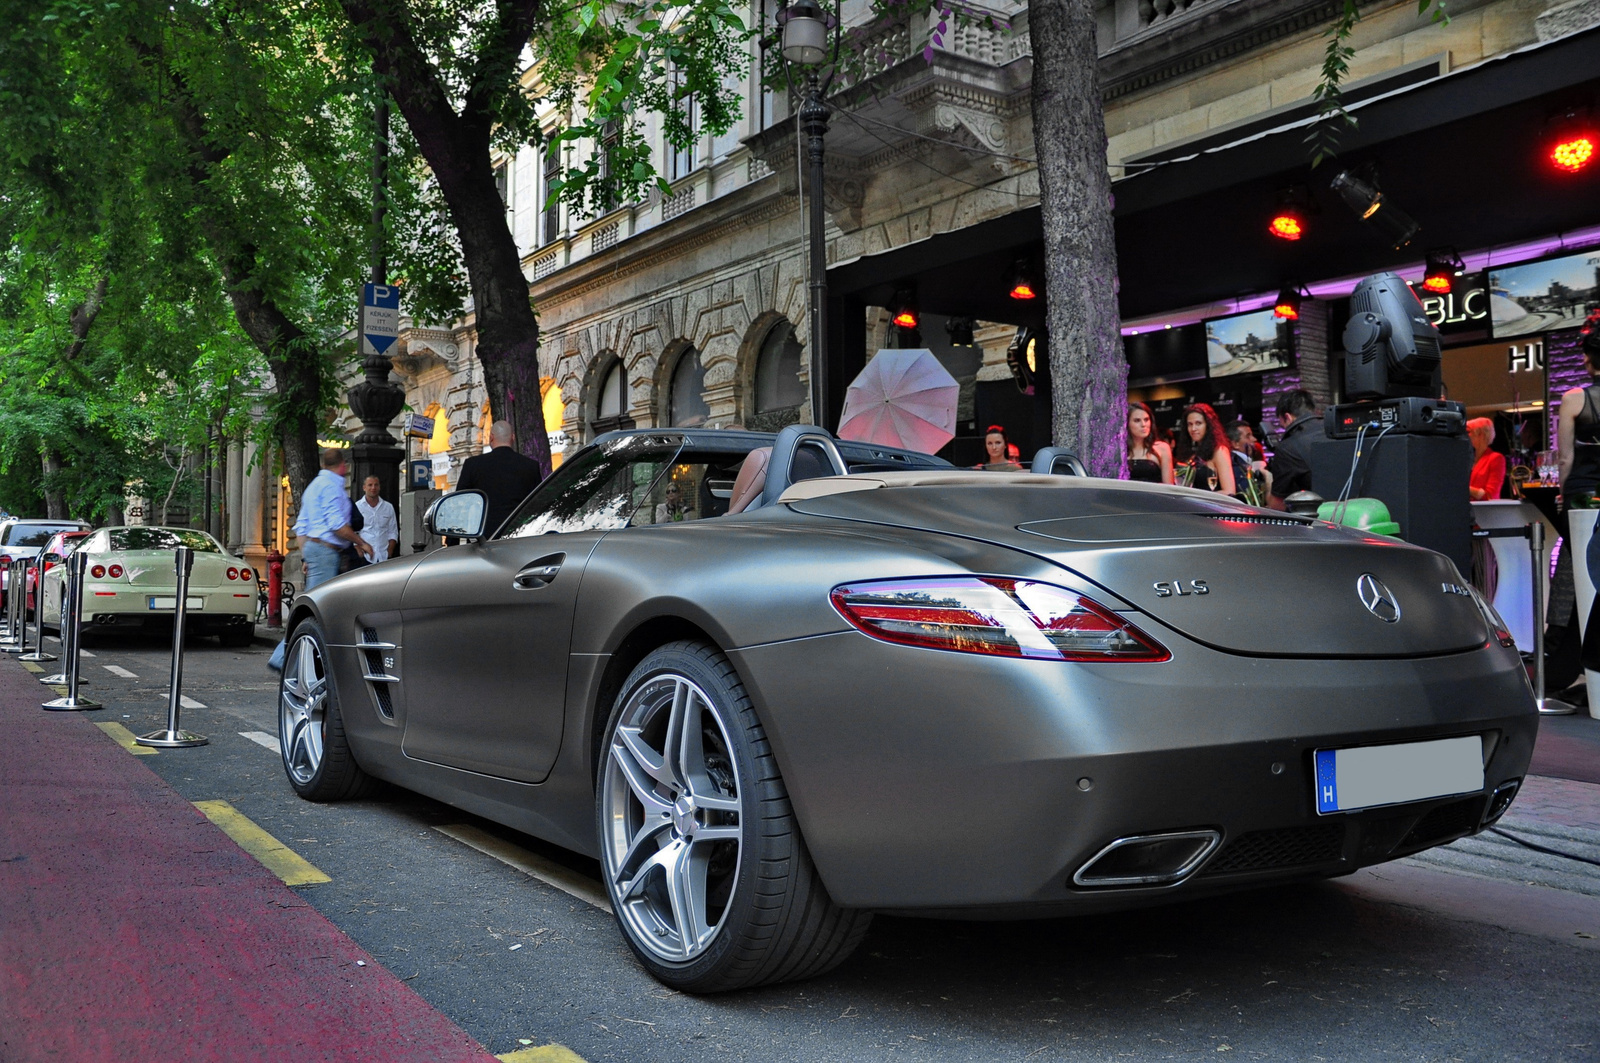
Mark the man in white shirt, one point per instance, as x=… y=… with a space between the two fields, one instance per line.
x=379 y=528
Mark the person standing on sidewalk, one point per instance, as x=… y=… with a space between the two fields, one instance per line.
x=379 y=527
x=504 y=476
x=323 y=526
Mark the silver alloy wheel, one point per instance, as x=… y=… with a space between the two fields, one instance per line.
x=302 y=709
x=673 y=818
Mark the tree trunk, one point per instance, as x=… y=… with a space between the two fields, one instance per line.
x=1088 y=370
x=55 y=500
x=457 y=149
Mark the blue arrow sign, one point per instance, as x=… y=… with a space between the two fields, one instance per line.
x=380 y=317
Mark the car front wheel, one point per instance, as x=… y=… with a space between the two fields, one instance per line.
x=708 y=875
x=316 y=753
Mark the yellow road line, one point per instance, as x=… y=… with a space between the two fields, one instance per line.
x=30 y=666
x=122 y=737
x=541 y=1054
x=547 y=871
x=273 y=854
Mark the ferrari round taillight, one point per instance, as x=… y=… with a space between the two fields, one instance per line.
x=1000 y=617
x=245 y=574
x=233 y=573
x=115 y=571
x=98 y=572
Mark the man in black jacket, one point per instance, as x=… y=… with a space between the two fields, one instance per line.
x=1291 y=461
x=504 y=476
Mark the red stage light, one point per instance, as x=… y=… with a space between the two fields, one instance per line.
x=906 y=319
x=1438 y=283
x=1023 y=290
x=1287 y=306
x=1287 y=225
x=1572 y=153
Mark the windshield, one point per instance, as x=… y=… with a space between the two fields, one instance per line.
x=33 y=534
x=163 y=539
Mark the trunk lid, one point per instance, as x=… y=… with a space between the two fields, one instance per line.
x=155 y=569
x=1239 y=579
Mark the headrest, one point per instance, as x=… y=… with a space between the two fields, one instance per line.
x=752 y=478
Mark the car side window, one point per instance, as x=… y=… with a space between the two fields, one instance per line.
x=597 y=491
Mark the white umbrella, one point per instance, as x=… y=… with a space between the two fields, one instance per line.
x=902 y=399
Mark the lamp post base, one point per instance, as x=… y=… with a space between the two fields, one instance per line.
x=165 y=739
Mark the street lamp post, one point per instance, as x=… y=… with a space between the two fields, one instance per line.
x=805 y=43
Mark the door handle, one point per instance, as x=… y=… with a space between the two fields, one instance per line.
x=538 y=573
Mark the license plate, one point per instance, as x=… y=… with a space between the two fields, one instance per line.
x=1349 y=779
x=172 y=603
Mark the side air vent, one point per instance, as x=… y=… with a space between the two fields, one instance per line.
x=377 y=673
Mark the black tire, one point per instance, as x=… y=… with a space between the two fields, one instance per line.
x=237 y=638
x=311 y=719
x=777 y=921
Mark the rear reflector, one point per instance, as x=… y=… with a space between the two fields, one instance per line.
x=1148 y=859
x=999 y=617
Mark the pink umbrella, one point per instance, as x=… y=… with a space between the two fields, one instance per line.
x=902 y=399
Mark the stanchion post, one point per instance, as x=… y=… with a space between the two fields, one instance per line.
x=71 y=619
x=1540 y=574
x=172 y=736
x=12 y=643
x=37 y=654
x=69 y=634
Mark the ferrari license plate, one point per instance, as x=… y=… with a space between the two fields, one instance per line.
x=172 y=603
x=1349 y=779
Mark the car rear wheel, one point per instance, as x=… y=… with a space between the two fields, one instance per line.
x=316 y=754
x=708 y=875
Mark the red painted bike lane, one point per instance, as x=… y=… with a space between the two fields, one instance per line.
x=131 y=928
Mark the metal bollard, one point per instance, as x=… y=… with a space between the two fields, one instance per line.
x=37 y=654
x=12 y=643
x=1540 y=574
x=71 y=620
x=172 y=736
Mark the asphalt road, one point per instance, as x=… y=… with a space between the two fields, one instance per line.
x=1402 y=963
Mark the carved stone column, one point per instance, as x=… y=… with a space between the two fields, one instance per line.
x=376 y=401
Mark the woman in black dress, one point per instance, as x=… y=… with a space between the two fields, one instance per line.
x=1210 y=466
x=1149 y=455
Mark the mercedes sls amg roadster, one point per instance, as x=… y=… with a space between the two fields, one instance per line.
x=777 y=684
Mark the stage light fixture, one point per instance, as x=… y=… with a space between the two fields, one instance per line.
x=1289 y=218
x=961 y=330
x=1440 y=273
x=903 y=313
x=1023 y=285
x=1286 y=307
x=1363 y=197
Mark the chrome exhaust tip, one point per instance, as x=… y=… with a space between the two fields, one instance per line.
x=1500 y=801
x=1148 y=859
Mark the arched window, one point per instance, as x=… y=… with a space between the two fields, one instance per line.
x=686 y=403
x=778 y=370
x=611 y=401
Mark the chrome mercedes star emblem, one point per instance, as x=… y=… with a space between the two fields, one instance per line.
x=1379 y=600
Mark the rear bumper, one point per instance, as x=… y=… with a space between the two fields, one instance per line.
x=930 y=781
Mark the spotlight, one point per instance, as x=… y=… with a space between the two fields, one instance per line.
x=1286 y=307
x=1370 y=205
x=1023 y=285
x=903 y=312
x=1440 y=273
x=1573 y=140
x=960 y=330
x=1289 y=219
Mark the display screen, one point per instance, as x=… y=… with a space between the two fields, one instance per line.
x=1166 y=355
x=1246 y=343
x=1540 y=296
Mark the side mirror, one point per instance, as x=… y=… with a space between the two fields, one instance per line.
x=458 y=515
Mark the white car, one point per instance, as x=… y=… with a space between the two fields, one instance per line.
x=21 y=537
x=131 y=583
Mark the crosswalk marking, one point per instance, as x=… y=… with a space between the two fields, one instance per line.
x=261 y=738
x=124 y=738
x=547 y=871
x=189 y=703
x=117 y=669
x=273 y=854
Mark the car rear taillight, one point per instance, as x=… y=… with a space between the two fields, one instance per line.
x=245 y=574
x=233 y=573
x=115 y=571
x=98 y=572
x=1001 y=617
x=1497 y=626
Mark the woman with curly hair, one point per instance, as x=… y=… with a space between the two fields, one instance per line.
x=1211 y=459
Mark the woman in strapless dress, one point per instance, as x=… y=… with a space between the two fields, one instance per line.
x=1149 y=456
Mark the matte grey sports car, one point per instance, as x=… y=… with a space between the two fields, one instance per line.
x=777 y=684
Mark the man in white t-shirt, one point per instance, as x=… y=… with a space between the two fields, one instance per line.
x=379 y=528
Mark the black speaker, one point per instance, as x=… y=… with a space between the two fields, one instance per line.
x=1422 y=479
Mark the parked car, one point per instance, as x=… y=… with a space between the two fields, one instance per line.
x=131 y=584
x=890 y=686
x=21 y=537
x=54 y=554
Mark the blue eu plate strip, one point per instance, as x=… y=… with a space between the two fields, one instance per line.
x=1327 y=782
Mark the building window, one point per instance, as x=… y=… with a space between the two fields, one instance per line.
x=610 y=138
x=502 y=184
x=552 y=207
x=686 y=401
x=611 y=401
x=779 y=393
x=684 y=159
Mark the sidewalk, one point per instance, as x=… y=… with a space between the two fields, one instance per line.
x=133 y=929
